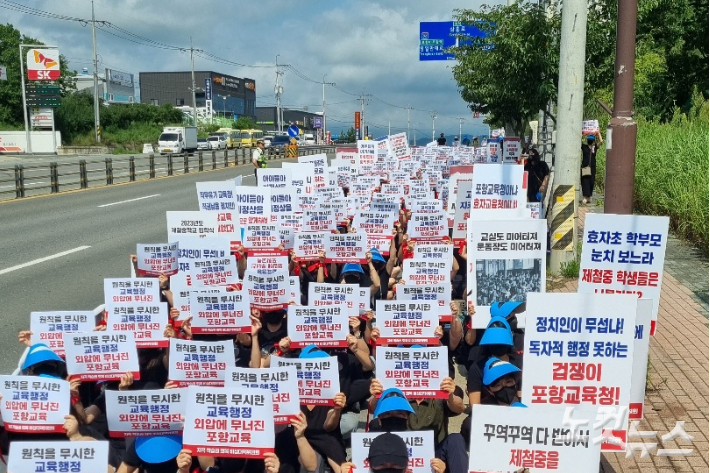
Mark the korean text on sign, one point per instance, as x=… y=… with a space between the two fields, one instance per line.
x=145 y=413
x=326 y=295
x=267 y=292
x=49 y=327
x=440 y=294
x=155 y=259
x=101 y=356
x=420 y=446
x=324 y=326
x=345 y=248
x=422 y=271
x=281 y=382
x=146 y=321
x=79 y=456
x=407 y=322
x=418 y=372
x=131 y=290
x=33 y=404
x=199 y=363
x=229 y=422
x=318 y=378
x=222 y=312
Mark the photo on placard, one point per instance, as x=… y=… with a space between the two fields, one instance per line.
x=506 y=279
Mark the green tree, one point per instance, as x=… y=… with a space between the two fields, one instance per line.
x=244 y=123
x=510 y=73
x=348 y=136
x=11 y=90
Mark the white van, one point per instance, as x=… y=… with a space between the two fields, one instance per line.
x=309 y=139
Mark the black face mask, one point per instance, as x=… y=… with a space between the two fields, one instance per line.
x=351 y=279
x=273 y=317
x=507 y=395
x=513 y=324
x=499 y=350
x=393 y=424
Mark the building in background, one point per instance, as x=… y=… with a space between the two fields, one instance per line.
x=229 y=96
x=119 y=88
x=266 y=118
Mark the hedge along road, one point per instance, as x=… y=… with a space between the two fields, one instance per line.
x=56 y=250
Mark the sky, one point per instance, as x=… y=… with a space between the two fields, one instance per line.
x=362 y=46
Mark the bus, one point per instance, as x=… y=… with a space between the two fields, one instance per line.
x=233 y=137
x=250 y=137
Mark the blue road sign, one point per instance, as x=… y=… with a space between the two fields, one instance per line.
x=317 y=122
x=208 y=89
x=293 y=131
x=435 y=37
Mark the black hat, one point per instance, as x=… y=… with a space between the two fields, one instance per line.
x=388 y=448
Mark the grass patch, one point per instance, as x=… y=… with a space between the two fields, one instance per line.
x=672 y=172
x=124 y=141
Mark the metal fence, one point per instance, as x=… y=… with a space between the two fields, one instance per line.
x=25 y=181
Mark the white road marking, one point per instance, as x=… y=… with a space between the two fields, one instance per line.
x=42 y=260
x=130 y=200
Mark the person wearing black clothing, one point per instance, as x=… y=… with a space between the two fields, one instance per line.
x=442 y=140
x=589 y=160
x=538 y=176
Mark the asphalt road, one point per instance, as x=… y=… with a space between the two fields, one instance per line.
x=56 y=250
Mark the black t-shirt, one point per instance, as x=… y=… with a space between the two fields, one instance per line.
x=131 y=458
x=267 y=339
x=441 y=141
x=536 y=174
x=327 y=444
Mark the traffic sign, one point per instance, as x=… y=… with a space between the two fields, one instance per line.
x=436 y=37
x=43 y=64
x=293 y=131
x=317 y=122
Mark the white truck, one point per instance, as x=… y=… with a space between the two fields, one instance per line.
x=178 y=140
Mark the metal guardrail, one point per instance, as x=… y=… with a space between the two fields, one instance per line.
x=24 y=181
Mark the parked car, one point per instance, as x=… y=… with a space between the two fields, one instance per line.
x=309 y=139
x=278 y=143
x=267 y=140
x=202 y=144
x=217 y=142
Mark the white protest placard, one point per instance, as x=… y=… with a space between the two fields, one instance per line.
x=624 y=254
x=642 y=339
x=308 y=202
x=386 y=207
x=214 y=272
x=339 y=207
x=499 y=192
x=540 y=440
x=223 y=312
x=324 y=326
x=193 y=223
x=193 y=249
x=302 y=176
x=216 y=196
x=318 y=378
x=417 y=372
x=398 y=146
x=49 y=327
x=284 y=201
x=262 y=239
x=273 y=177
x=145 y=413
x=426 y=206
x=308 y=245
x=493 y=149
x=428 y=227
x=342 y=170
x=181 y=294
x=199 y=363
x=229 y=422
x=81 y=456
x=434 y=293
x=381 y=242
x=579 y=352
x=145 y=290
x=282 y=382
x=511 y=150
x=147 y=321
x=419 y=272
x=295 y=286
x=326 y=294
x=267 y=292
x=155 y=259
x=367 y=155
x=435 y=251
x=407 y=322
x=535 y=209
x=287 y=237
x=348 y=155
x=420 y=446
x=253 y=205
x=376 y=223
x=318 y=221
x=267 y=264
x=33 y=403
x=590 y=127
x=506 y=260
x=320 y=167
x=462 y=212
x=346 y=248
x=101 y=356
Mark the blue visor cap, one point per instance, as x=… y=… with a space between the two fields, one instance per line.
x=518 y=404
x=376 y=255
x=497 y=335
x=392 y=399
x=591 y=137
x=352 y=268
x=504 y=309
x=312 y=351
x=496 y=369
x=158 y=449
x=38 y=353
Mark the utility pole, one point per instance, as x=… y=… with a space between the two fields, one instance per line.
x=415 y=134
x=97 y=121
x=278 y=90
x=194 y=92
x=408 y=109
x=433 y=130
x=363 y=99
x=389 y=127
x=570 y=99
x=621 y=151
x=323 y=128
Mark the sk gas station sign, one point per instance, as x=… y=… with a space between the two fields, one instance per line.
x=43 y=64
